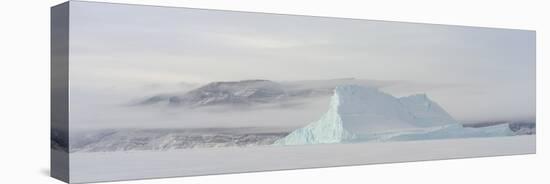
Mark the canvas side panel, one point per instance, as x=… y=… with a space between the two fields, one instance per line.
x=59 y=162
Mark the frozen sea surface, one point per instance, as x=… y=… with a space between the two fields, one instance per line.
x=124 y=165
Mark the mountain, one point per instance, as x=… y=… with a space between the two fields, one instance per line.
x=170 y=139
x=358 y=114
x=251 y=92
x=219 y=93
x=240 y=92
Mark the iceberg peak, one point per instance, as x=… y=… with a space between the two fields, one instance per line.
x=418 y=96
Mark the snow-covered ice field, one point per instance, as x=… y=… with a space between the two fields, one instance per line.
x=103 y=166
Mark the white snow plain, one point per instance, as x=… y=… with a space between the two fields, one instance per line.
x=107 y=166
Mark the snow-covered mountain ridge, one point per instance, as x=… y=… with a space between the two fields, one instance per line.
x=170 y=139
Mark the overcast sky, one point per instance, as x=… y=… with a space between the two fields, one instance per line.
x=490 y=73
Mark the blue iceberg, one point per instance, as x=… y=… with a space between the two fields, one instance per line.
x=365 y=114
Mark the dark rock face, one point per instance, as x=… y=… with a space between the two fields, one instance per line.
x=241 y=92
x=518 y=127
x=59 y=140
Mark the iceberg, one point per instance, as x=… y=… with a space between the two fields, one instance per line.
x=364 y=114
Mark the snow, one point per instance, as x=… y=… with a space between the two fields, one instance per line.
x=104 y=166
x=358 y=114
